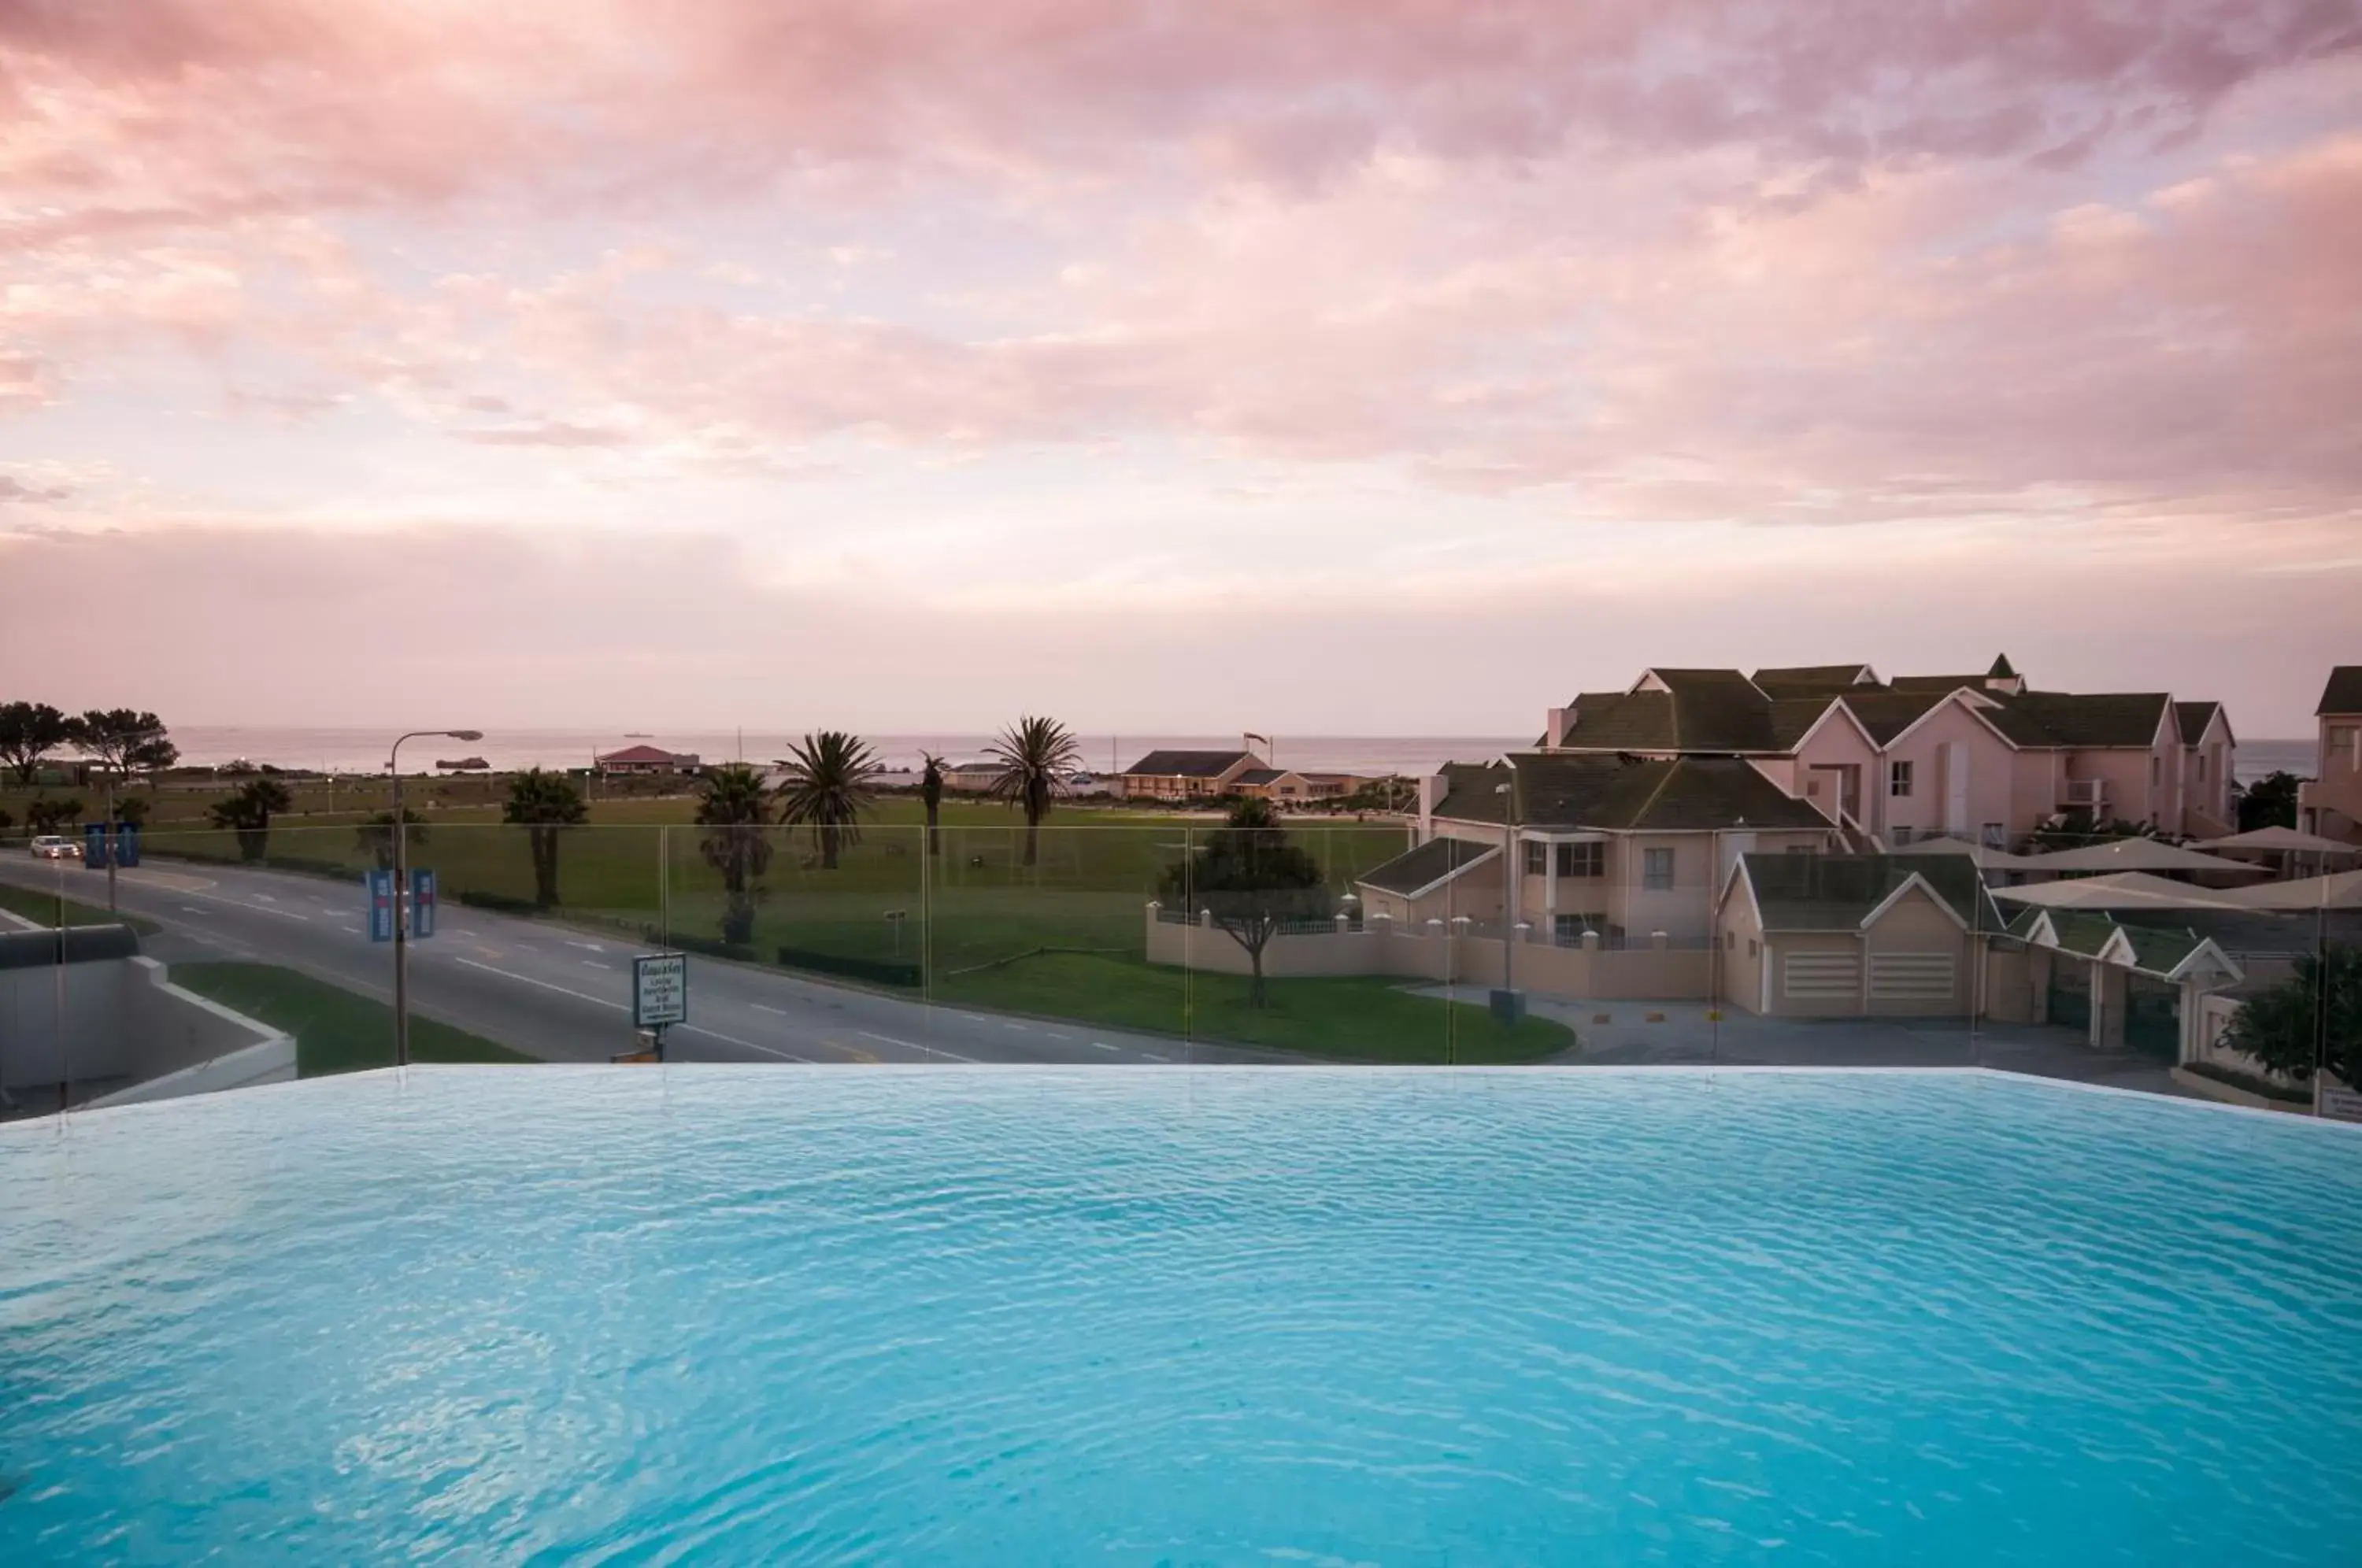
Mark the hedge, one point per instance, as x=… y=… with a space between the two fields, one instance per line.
x=881 y=971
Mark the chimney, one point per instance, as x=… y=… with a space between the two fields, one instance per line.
x=1430 y=790
x=1557 y=737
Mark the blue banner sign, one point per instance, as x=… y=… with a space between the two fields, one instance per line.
x=94 y=847
x=126 y=844
x=381 y=905
x=421 y=903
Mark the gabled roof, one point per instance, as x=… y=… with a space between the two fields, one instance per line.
x=1938 y=684
x=2002 y=668
x=1845 y=892
x=1189 y=764
x=2100 y=720
x=1887 y=714
x=1430 y=865
x=638 y=753
x=2193 y=718
x=1695 y=710
x=1814 y=679
x=1609 y=794
x=2343 y=693
x=1259 y=776
x=2166 y=952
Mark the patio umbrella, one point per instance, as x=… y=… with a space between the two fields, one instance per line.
x=1986 y=857
x=2122 y=890
x=2283 y=840
x=2342 y=892
x=2138 y=854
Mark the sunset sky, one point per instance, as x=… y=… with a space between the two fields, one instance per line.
x=1361 y=366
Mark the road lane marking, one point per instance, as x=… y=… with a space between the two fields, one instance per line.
x=586 y=947
x=749 y=1044
x=1021 y=1028
x=191 y=909
x=594 y=964
x=1055 y=1035
x=852 y=1053
x=914 y=1045
x=1153 y=1057
x=1101 y=1045
x=766 y=1007
x=266 y=898
x=544 y=985
x=282 y=914
x=354 y=929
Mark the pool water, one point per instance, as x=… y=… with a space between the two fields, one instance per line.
x=1181 y=1316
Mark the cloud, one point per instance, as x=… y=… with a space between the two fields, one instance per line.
x=13 y=489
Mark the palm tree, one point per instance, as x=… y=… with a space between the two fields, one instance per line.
x=375 y=837
x=931 y=795
x=827 y=789
x=735 y=810
x=542 y=802
x=247 y=812
x=1034 y=754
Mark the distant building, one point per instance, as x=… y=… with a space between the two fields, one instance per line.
x=646 y=759
x=1288 y=787
x=972 y=777
x=1186 y=775
x=2330 y=804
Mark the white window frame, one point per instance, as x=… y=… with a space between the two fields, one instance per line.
x=1652 y=880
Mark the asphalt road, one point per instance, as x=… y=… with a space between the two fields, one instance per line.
x=563 y=994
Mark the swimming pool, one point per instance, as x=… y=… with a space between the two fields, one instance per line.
x=1186 y=1315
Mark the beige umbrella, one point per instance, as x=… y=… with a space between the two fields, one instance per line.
x=2342 y=892
x=2138 y=854
x=2120 y=890
x=1986 y=857
x=2283 y=841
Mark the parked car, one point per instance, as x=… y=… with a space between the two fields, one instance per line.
x=51 y=846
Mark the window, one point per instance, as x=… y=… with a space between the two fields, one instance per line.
x=1902 y=835
x=1569 y=928
x=1537 y=859
x=1657 y=871
x=1730 y=941
x=1898 y=781
x=1751 y=948
x=1582 y=859
x=2156 y=770
x=2201 y=767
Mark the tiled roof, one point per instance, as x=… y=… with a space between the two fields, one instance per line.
x=1189 y=764
x=1688 y=794
x=1701 y=709
x=2193 y=718
x=2082 y=932
x=1837 y=892
x=1260 y=776
x=1424 y=866
x=2159 y=951
x=1793 y=718
x=2343 y=693
x=2063 y=719
x=1887 y=714
x=1937 y=683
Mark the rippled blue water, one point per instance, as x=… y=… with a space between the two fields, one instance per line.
x=1181 y=1316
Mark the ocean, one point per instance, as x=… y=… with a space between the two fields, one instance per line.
x=363 y=751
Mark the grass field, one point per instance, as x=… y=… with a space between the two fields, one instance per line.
x=335 y=1031
x=1350 y=1019
x=42 y=909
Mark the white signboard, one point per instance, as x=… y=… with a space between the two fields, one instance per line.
x=2339 y=1103
x=659 y=989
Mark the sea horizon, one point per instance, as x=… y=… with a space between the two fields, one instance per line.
x=362 y=750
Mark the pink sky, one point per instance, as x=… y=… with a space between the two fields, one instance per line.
x=1348 y=366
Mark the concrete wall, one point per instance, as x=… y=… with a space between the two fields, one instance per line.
x=2011 y=994
x=120 y=1021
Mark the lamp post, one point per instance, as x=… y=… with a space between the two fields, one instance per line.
x=401 y=890
x=1507 y=1006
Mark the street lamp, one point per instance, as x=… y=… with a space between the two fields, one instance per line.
x=401 y=890
x=1512 y=884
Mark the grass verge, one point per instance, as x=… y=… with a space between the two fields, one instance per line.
x=1355 y=1018
x=335 y=1031
x=42 y=909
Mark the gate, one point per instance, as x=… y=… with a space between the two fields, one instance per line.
x=2153 y=1018
x=2070 y=1004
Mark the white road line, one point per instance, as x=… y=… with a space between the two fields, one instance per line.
x=544 y=985
x=1101 y=1045
x=594 y=964
x=354 y=929
x=1153 y=1057
x=586 y=947
x=914 y=1045
x=191 y=909
x=1021 y=1028
x=266 y=898
x=1055 y=1035
x=732 y=1039
x=282 y=914
x=766 y=1007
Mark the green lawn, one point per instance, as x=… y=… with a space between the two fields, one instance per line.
x=335 y=1031
x=42 y=908
x=1351 y=1019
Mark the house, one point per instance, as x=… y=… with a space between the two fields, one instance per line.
x=1821 y=936
x=972 y=777
x=1983 y=757
x=2330 y=804
x=645 y=760
x=1616 y=849
x=1184 y=775
x=1288 y=787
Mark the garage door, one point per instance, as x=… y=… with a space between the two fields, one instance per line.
x=1911 y=977
x=1821 y=976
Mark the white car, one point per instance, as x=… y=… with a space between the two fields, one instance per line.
x=50 y=847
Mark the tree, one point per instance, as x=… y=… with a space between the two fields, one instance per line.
x=132 y=810
x=6 y=821
x=45 y=815
x=543 y=803
x=735 y=812
x=247 y=812
x=1252 y=880
x=2269 y=802
x=1034 y=755
x=376 y=836
x=124 y=741
x=28 y=732
x=827 y=789
x=2279 y=1026
x=931 y=795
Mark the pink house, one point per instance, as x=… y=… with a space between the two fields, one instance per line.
x=1982 y=757
x=2330 y=804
